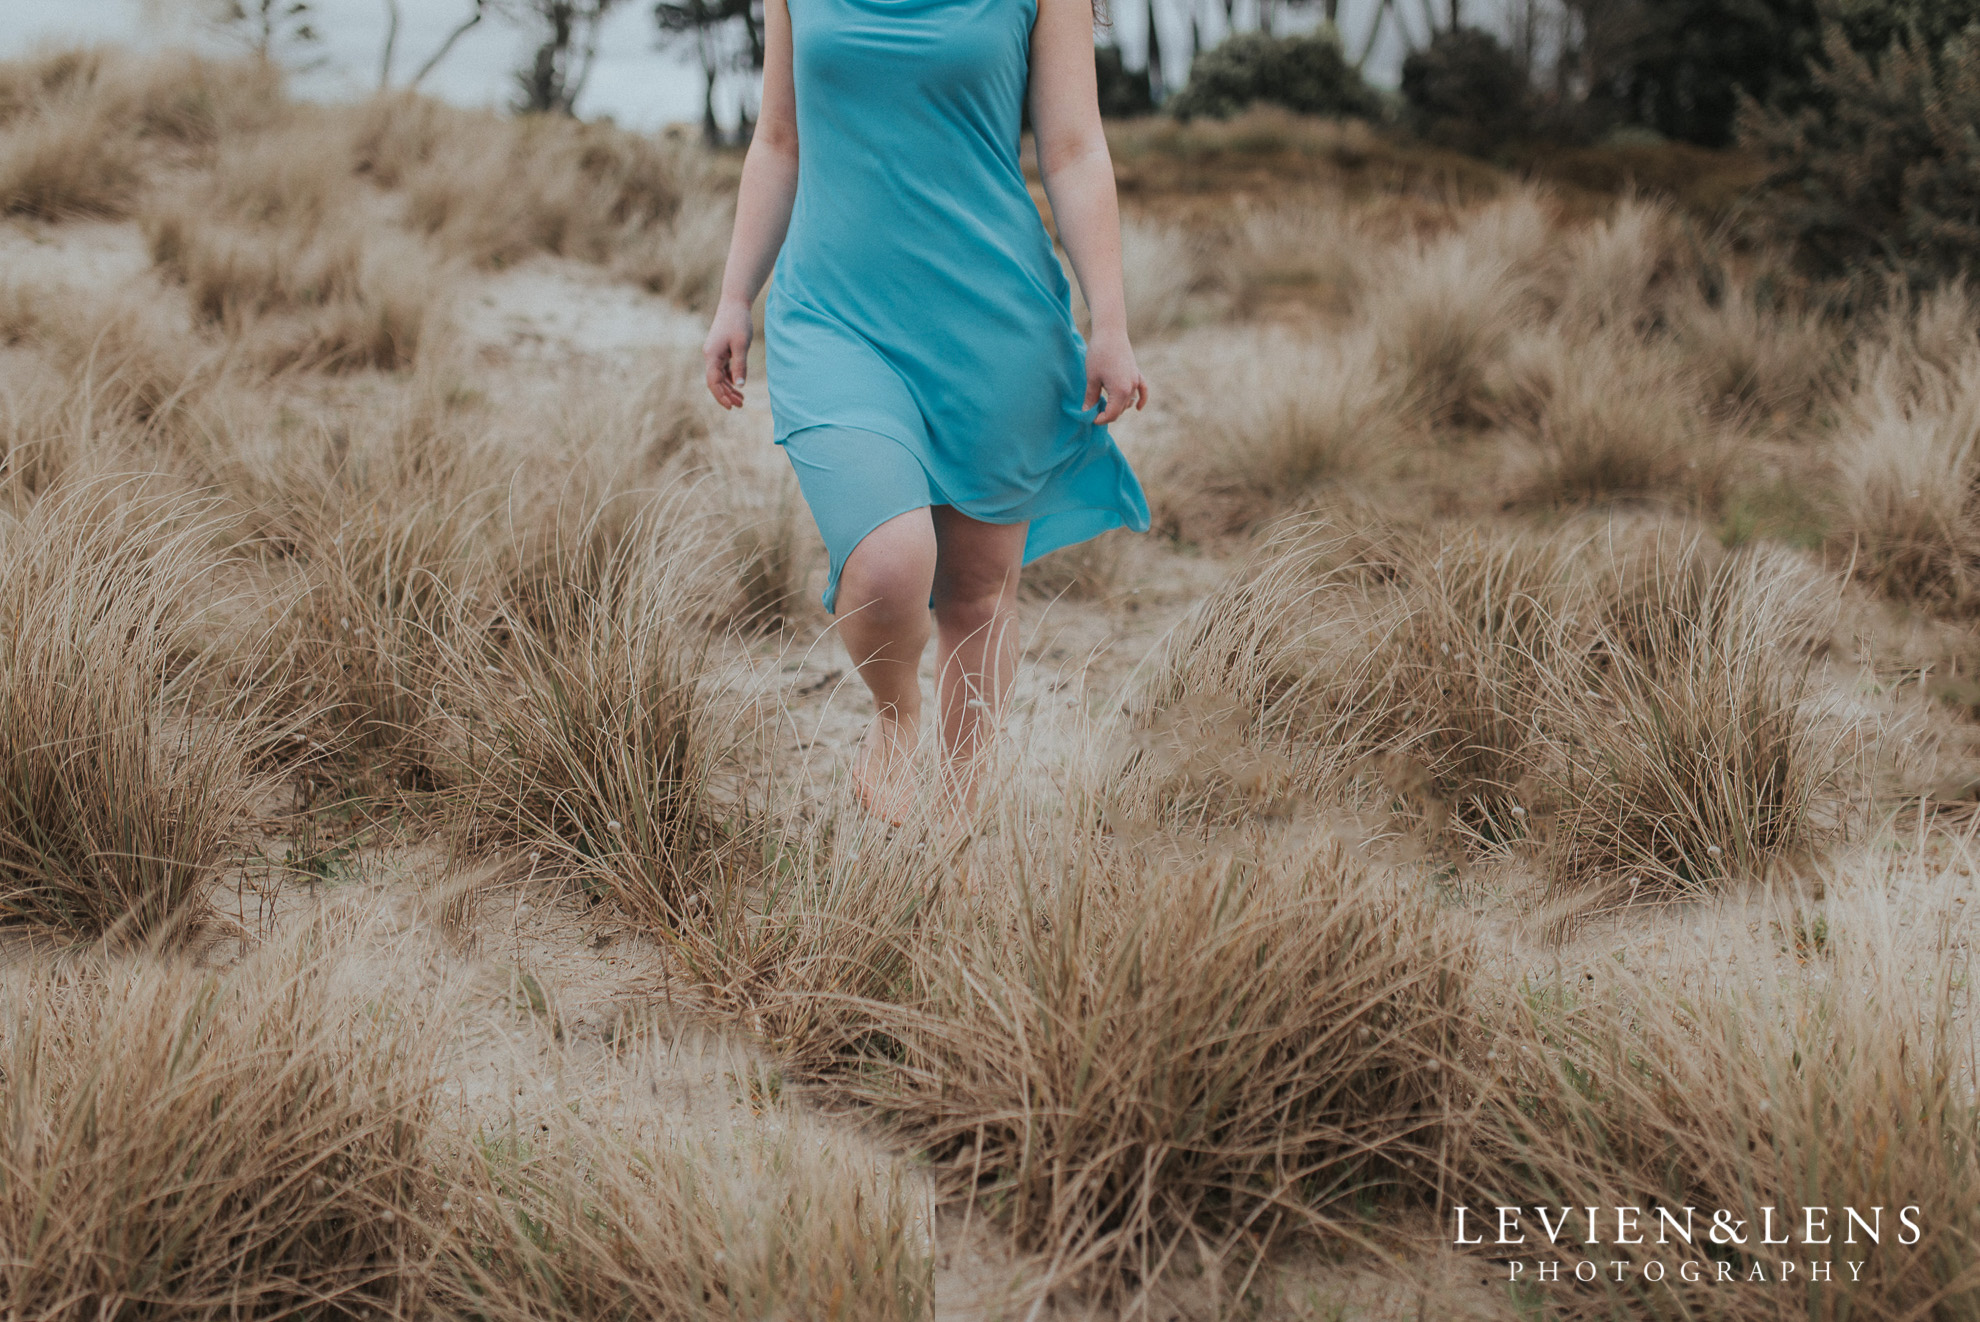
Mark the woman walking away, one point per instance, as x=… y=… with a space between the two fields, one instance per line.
x=946 y=421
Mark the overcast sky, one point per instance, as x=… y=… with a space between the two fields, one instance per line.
x=633 y=82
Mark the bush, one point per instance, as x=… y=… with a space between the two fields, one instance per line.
x=1465 y=90
x=1307 y=74
x=1882 y=171
x=1124 y=92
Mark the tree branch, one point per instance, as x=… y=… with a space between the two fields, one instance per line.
x=480 y=11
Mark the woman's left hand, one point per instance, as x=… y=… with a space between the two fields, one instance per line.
x=1111 y=374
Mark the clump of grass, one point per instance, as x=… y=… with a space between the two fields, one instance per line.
x=1699 y=748
x=683 y=258
x=1444 y=308
x=1123 y=1059
x=1839 y=1076
x=1760 y=359
x=492 y=191
x=301 y=290
x=1907 y=456
x=1652 y=701
x=1613 y=267
x=120 y=797
x=561 y=1217
x=1323 y=253
x=251 y=1143
x=1281 y=416
x=62 y=162
x=357 y=652
x=78 y=124
x=1614 y=418
x=1092 y=570
x=1161 y=267
x=175 y=97
x=588 y=716
x=129 y=362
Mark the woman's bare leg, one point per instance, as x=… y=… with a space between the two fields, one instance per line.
x=882 y=612
x=976 y=649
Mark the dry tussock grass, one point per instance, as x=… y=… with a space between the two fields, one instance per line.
x=1639 y=709
x=1172 y=1009
x=1128 y=1059
x=121 y=794
x=194 y=1144
x=601 y=1210
x=1273 y=418
x=588 y=719
x=1840 y=1077
x=1612 y=418
x=1905 y=460
x=76 y=126
x=491 y=191
x=275 y=1140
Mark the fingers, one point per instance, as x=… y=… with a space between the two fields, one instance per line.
x=1122 y=399
x=719 y=384
x=1092 y=393
x=727 y=365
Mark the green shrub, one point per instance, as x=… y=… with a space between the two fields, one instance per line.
x=1881 y=171
x=1308 y=75
x=1124 y=92
x=1465 y=90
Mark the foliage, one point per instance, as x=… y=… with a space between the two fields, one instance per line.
x=1882 y=170
x=567 y=30
x=1679 y=67
x=1465 y=90
x=1123 y=91
x=1308 y=75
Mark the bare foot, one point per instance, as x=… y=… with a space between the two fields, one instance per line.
x=883 y=769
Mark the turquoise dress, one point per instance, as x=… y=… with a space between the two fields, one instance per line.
x=919 y=330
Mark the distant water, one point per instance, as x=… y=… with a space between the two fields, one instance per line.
x=633 y=82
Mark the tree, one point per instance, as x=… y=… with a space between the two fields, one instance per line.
x=554 y=79
x=1681 y=66
x=478 y=10
x=1466 y=90
x=1308 y=75
x=727 y=36
x=1880 y=170
x=271 y=26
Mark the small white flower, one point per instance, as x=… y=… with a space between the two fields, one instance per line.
x=614 y=825
x=1518 y=811
x=1714 y=850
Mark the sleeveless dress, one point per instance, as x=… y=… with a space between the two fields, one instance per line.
x=919 y=331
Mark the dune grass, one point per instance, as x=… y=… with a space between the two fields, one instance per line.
x=1176 y=1008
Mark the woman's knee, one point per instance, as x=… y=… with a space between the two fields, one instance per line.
x=965 y=612
x=892 y=570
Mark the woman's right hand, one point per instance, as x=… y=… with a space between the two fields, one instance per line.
x=726 y=351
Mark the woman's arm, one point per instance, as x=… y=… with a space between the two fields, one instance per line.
x=1079 y=182
x=763 y=212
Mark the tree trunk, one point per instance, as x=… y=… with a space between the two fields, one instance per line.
x=391 y=44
